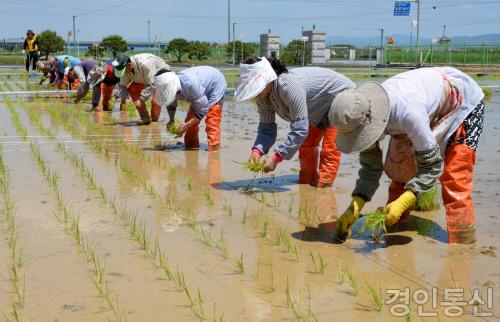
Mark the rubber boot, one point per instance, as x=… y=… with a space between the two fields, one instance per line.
x=309 y=156
x=212 y=127
x=456 y=182
x=329 y=159
x=191 y=140
x=143 y=113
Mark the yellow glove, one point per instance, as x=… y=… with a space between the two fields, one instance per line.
x=395 y=209
x=348 y=218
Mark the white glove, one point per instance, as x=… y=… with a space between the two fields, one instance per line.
x=23 y=51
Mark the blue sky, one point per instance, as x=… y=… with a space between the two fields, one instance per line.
x=207 y=19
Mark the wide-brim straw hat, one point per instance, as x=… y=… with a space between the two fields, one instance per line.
x=360 y=116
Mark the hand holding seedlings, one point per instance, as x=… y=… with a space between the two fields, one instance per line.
x=374 y=223
x=173 y=127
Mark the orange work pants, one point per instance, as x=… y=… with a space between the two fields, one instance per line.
x=212 y=128
x=324 y=173
x=134 y=90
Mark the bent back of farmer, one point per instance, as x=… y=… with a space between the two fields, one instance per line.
x=433 y=116
x=137 y=75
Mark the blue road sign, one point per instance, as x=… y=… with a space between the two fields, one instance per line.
x=402 y=8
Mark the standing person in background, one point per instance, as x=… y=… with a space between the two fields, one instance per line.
x=32 y=50
x=430 y=114
x=204 y=88
x=303 y=97
x=137 y=75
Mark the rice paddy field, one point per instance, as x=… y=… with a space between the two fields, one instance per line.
x=104 y=220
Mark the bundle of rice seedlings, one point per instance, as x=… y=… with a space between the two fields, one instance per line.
x=487 y=92
x=254 y=166
x=428 y=200
x=374 y=222
x=173 y=128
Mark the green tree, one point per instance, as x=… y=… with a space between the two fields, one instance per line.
x=95 y=51
x=178 y=47
x=200 y=50
x=248 y=51
x=114 y=44
x=50 y=42
x=292 y=53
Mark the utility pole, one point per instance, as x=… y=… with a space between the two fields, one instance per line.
x=229 y=21
x=418 y=33
x=149 y=34
x=234 y=46
x=74 y=33
x=382 y=45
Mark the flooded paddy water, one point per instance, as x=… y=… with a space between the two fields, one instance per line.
x=112 y=221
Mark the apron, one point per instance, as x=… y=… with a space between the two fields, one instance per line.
x=400 y=162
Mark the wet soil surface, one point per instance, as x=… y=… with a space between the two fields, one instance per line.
x=243 y=244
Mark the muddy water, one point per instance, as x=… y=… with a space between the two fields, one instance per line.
x=416 y=257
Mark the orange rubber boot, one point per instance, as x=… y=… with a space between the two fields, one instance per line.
x=329 y=159
x=155 y=110
x=309 y=156
x=212 y=121
x=106 y=93
x=456 y=182
x=191 y=140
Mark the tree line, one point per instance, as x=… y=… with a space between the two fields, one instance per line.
x=178 y=48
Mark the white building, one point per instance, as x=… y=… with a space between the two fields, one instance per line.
x=270 y=45
x=316 y=45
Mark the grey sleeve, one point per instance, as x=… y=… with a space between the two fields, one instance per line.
x=429 y=168
x=369 y=175
x=122 y=92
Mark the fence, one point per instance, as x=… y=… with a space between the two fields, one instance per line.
x=433 y=54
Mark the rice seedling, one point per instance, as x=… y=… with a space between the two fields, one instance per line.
x=174 y=127
x=487 y=92
x=265 y=227
x=227 y=207
x=239 y=265
x=216 y=317
x=244 y=215
x=207 y=239
x=374 y=222
x=271 y=287
x=428 y=200
x=318 y=262
x=188 y=184
x=221 y=245
x=294 y=306
x=341 y=273
x=208 y=196
x=353 y=280
x=375 y=297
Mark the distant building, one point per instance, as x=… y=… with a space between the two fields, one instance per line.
x=316 y=44
x=270 y=45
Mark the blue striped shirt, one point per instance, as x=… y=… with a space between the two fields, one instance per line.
x=203 y=87
x=302 y=96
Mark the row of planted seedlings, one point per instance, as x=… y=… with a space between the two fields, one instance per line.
x=281 y=239
x=71 y=222
x=137 y=228
x=10 y=232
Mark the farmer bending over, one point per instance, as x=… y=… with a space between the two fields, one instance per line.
x=303 y=97
x=137 y=75
x=204 y=88
x=430 y=114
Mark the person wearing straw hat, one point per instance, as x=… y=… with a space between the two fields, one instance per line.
x=103 y=77
x=203 y=87
x=303 y=97
x=434 y=116
x=137 y=74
